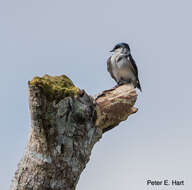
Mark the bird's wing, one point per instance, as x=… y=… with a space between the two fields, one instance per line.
x=135 y=70
x=133 y=66
x=109 y=68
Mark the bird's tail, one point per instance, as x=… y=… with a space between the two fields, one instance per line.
x=139 y=86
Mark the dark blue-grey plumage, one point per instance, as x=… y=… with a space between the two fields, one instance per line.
x=122 y=66
x=119 y=45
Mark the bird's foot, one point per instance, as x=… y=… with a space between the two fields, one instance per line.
x=120 y=83
x=117 y=85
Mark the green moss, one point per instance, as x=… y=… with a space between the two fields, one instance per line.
x=55 y=87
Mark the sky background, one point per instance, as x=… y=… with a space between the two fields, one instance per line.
x=74 y=38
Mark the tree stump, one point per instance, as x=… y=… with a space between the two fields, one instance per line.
x=65 y=124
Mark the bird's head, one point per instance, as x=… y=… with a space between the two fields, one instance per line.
x=121 y=48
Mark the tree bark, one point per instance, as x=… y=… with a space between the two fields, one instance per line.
x=64 y=128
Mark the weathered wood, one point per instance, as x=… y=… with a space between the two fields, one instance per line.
x=114 y=106
x=64 y=129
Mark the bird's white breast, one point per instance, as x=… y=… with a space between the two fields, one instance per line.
x=122 y=69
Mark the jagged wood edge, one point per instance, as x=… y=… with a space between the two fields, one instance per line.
x=115 y=105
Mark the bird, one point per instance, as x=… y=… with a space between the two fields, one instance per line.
x=122 y=66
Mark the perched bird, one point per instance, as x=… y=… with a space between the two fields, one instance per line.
x=122 y=66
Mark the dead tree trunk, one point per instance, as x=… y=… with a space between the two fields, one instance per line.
x=65 y=125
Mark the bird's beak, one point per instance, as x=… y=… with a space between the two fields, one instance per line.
x=111 y=50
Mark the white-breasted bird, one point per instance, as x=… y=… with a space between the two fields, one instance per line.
x=122 y=66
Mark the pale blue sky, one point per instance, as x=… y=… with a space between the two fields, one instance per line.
x=74 y=38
